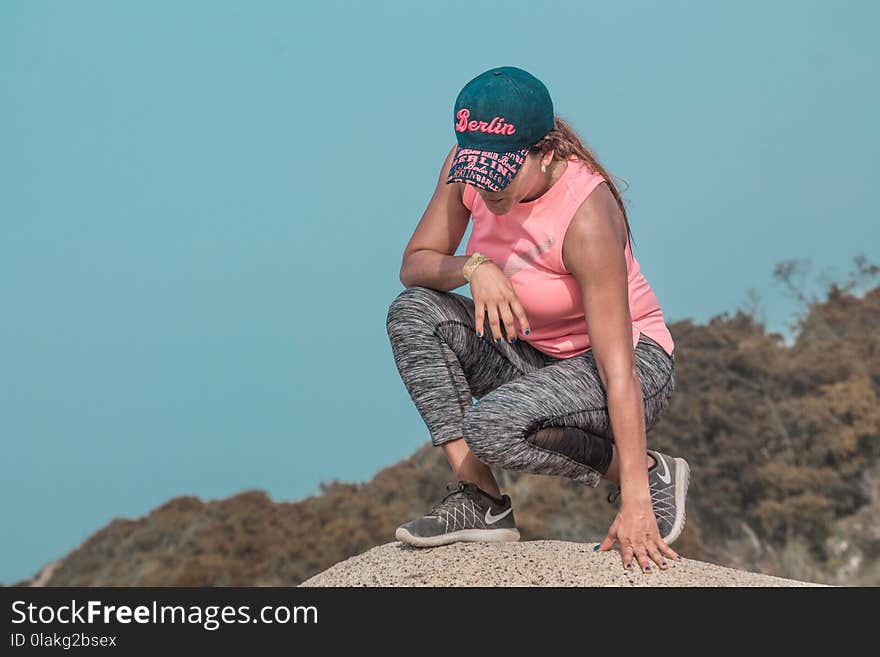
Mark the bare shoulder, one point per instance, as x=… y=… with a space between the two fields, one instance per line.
x=597 y=225
x=598 y=214
x=456 y=188
x=445 y=218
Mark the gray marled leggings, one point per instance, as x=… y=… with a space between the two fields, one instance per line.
x=534 y=413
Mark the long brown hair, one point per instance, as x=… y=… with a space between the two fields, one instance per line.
x=566 y=142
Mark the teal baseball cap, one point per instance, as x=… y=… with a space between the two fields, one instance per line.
x=497 y=117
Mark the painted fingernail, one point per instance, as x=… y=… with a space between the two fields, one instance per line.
x=678 y=558
x=512 y=341
x=595 y=547
x=479 y=335
x=527 y=331
x=662 y=563
x=498 y=340
x=629 y=565
x=647 y=568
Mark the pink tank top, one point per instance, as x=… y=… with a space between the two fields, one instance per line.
x=527 y=244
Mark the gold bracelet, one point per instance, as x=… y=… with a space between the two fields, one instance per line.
x=475 y=260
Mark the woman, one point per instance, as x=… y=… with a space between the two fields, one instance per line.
x=569 y=317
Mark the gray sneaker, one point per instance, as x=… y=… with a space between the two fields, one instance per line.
x=466 y=513
x=668 y=480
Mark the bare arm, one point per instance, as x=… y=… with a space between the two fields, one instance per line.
x=593 y=251
x=428 y=257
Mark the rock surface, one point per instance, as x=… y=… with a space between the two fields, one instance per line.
x=526 y=563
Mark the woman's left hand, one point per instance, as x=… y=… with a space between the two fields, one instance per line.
x=635 y=528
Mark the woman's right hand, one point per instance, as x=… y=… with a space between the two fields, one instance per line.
x=492 y=291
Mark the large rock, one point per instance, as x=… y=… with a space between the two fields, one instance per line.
x=526 y=563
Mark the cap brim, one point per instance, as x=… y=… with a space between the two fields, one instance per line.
x=486 y=169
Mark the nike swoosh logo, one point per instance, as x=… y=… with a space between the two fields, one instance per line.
x=515 y=262
x=665 y=477
x=491 y=520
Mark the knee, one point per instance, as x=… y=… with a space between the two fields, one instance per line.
x=410 y=303
x=656 y=405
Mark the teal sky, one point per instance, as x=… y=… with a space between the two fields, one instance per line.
x=203 y=208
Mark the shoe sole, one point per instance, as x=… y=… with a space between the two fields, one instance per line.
x=468 y=535
x=682 y=480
